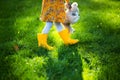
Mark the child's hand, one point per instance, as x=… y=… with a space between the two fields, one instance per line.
x=69 y=5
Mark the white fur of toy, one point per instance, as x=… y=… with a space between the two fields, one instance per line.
x=72 y=15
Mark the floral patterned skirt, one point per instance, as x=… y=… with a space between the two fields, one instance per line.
x=53 y=11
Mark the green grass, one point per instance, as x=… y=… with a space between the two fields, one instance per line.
x=95 y=57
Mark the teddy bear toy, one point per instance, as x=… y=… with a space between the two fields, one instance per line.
x=72 y=16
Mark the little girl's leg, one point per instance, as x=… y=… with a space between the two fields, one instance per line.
x=47 y=27
x=58 y=26
x=42 y=38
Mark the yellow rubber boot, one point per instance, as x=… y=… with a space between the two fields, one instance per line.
x=42 y=41
x=64 y=34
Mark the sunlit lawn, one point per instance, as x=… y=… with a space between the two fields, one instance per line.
x=95 y=57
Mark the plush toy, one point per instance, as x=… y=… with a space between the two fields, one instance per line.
x=72 y=16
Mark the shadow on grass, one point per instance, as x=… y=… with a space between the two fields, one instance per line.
x=100 y=38
x=9 y=12
x=68 y=66
x=7 y=35
x=7 y=30
x=41 y=51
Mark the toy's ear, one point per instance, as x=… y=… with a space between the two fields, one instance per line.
x=75 y=4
